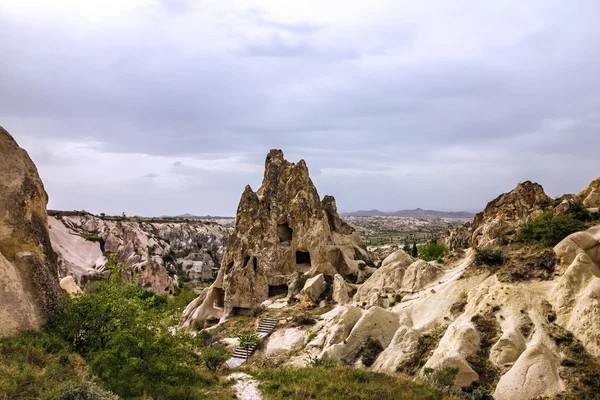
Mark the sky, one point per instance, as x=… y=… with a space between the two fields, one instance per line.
x=164 y=107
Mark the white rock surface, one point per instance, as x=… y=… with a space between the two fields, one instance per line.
x=313 y=288
x=246 y=387
x=69 y=286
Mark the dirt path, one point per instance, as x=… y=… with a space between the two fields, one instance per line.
x=246 y=387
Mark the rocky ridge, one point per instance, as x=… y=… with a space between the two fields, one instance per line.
x=517 y=340
x=158 y=252
x=283 y=231
x=28 y=272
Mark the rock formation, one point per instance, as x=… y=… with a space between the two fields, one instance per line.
x=28 y=274
x=590 y=195
x=282 y=231
x=459 y=238
x=518 y=340
x=508 y=212
x=156 y=251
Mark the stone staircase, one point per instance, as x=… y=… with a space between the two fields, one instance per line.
x=240 y=356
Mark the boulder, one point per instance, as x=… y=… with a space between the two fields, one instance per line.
x=508 y=212
x=313 y=289
x=68 y=285
x=459 y=237
x=341 y=291
x=396 y=278
x=377 y=324
x=590 y=195
x=282 y=231
x=29 y=287
x=534 y=375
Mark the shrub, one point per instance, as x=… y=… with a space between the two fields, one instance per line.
x=248 y=340
x=369 y=351
x=214 y=357
x=204 y=338
x=304 y=320
x=123 y=331
x=319 y=362
x=92 y=237
x=489 y=257
x=549 y=229
x=432 y=251
x=73 y=390
x=443 y=378
x=427 y=342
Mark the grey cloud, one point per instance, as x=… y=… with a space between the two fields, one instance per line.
x=363 y=95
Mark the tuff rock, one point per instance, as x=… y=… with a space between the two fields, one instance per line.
x=29 y=287
x=508 y=212
x=157 y=251
x=282 y=231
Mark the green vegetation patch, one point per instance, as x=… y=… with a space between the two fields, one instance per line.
x=432 y=251
x=92 y=237
x=549 y=229
x=339 y=383
x=427 y=342
x=40 y=366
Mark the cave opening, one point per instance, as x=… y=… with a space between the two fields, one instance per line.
x=241 y=311
x=284 y=232
x=220 y=298
x=303 y=257
x=278 y=290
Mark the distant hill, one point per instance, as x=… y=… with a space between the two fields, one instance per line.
x=416 y=213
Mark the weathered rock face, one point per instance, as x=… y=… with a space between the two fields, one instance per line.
x=508 y=212
x=513 y=338
x=28 y=274
x=459 y=238
x=282 y=230
x=157 y=251
x=590 y=195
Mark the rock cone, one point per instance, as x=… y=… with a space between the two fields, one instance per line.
x=282 y=231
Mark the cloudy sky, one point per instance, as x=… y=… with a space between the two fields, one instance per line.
x=169 y=106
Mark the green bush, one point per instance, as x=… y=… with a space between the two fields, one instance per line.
x=74 y=390
x=214 y=357
x=489 y=257
x=124 y=334
x=550 y=229
x=369 y=351
x=443 y=378
x=319 y=362
x=432 y=251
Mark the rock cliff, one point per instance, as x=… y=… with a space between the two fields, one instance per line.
x=524 y=339
x=156 y=251
x=282 y=231
x=508 y=212
x=29 y=287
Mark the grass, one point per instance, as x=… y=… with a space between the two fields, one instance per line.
x=489 y=330
x=339 y=383
x=578 y=368
x=427 y=342
x=38 y=366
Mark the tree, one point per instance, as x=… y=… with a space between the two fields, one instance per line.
x=247 y=341
x=214 y=357
x=406 y=247
x=415 y=251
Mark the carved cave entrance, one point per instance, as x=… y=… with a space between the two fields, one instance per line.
x=220 y=300
x=278 y=290
x=303 y=257
x=241 y=311
x=285 y=233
